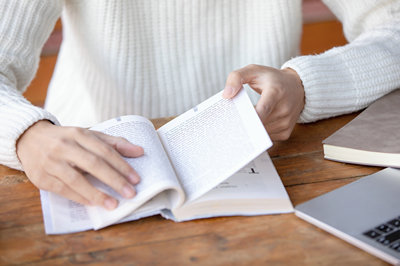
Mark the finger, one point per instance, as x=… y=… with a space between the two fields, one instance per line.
x=276 y=127
x=53 y=184
x=280 y=129
x=72 y=183
x=67 y=192
x=281 y=136
x=266 y=104
x=99 y=168
x=94 y=142
x=237 y=78
x=123 y=146
x=279 y=112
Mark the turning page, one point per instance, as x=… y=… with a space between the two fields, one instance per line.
x=153 y=167
x=212 y=141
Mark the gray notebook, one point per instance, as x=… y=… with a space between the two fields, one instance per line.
x=366 y=213
x=372 y=138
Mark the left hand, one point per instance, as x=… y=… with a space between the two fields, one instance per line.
x=55 y=159
x=282 y=96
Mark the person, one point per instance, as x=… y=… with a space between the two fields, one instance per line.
x=160 y=58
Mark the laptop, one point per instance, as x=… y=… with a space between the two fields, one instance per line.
x=365 y=213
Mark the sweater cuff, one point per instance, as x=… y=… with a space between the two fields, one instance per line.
x=16 y=117
x=328 y=86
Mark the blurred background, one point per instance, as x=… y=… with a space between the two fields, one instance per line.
x=321 y=31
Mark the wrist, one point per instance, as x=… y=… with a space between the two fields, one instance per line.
x=295 y=79
x=31 y=131
x=291 y=72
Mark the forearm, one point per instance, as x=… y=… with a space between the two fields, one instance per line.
x=16 y=115
x=349 y=78
x=24 y=28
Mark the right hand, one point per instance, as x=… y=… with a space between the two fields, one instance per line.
x=281 y=96
x=55 y=159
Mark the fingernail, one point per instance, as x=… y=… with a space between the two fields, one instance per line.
x=228 y=92
x=134 y=179
x=141 y=152
x=110 y=204
x=128 y=191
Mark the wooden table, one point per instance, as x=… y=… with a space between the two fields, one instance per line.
x=273 y=239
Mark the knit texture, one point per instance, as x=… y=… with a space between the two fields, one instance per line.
x=160 y=58
x=346 y=79
x=24 y=27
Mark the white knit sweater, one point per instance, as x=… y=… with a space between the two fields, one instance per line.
x=161 y=57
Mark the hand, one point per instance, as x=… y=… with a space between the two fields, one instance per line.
x=282 y=96
x=55 y=159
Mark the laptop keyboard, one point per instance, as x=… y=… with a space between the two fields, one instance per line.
x=388 y=234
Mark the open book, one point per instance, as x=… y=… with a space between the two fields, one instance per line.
x=201 y=164
x=372 y=138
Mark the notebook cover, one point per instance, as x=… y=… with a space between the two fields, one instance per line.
x=376 y=129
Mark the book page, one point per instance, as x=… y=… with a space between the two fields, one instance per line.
x=256 y=180
x=153 y=167
x=62 y=216
x=256 y=189
x=212 y=141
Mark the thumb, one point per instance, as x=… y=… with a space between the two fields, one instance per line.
x=237 y=78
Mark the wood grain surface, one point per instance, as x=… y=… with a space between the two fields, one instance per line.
x=280 y=239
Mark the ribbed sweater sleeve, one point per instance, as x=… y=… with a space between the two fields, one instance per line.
x=24 y=27
x=349 y=78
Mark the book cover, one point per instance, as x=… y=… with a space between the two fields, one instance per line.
x=372 y=138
